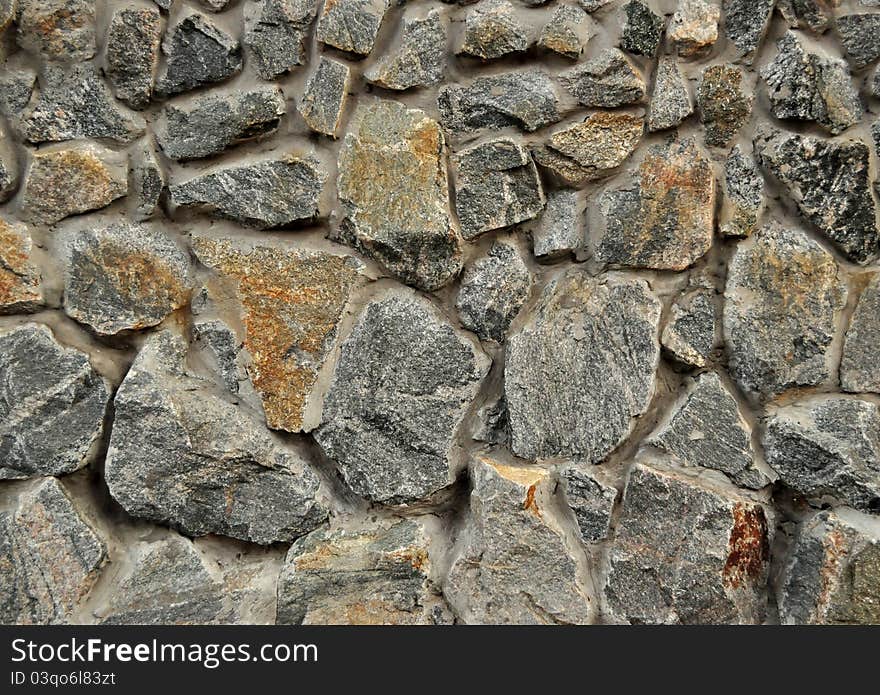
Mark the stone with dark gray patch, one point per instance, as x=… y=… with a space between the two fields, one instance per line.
x=690 y=334
x=725 y=102
x=816 y=16
x=861 y=346
x=671 y=101
x=324 y=96
x=492 y=29
x=418 y=60
x=276 y=31
x=133 y=38
x=591 y=500
x=492 y=422
x=742 y=203
x=746 y=22
x=351 y=25
x=859 y=35
x=567 y=32
x=560 y=229
x=147 y=179
x=642 y=29
x=17 y=81
x=608 y=80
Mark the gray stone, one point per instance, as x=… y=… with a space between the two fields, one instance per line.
x=511 y=563
x=688 y=550
x=351 y=25
x=324 y=96
x=222 y=350
x=811 y=86
x=52 y=404
x=567 y=32
x=21 y=284
x=493 y=290
x=9 y=176
x=493 y=423
x=75 y=103
x=17 y=80
x=663 y=218
x=264 y=194
x=401 y=387
x=608 y=80
x=50 y=557
x=497 y=186
x=493 y=29
x=181 y=455
x=276 y=31
x=560 y=229
x=123 y=277
x=690 y=333
x=418 y=60
x=376 y=575
x=147 y=181
x=830 y=183
x=743 y=200
x=671 y=101
x=591 y=501
x=827 y=447
x=814 y=15
x=582 y=369
x=210 y=123
x=833 y=572
x=593 y=5
x=858 y=34
x=707 y=429
x=133 y=39
x=782 y=302
x=526 y=99
x=57 y=29
x=725 y=101
x=215 y=5
x=392 y=148
x=197 y=53
x=642 y=29
x=861 y=347
x=746 y=22
x=693 y=28
x=164 y=4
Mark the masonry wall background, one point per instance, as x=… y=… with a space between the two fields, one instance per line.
x=503 y=312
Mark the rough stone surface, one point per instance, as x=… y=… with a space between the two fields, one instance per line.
x=492 y=29
x=606 y=81
x=275 y=31
x=420 y=58
x=21 y=285
x=642 y=29
x=133 y=39
x=858 y=34
x=694 y=27
x=57 y=29
x=861 y=347
x=9 y=176
x=746 y=22
x=690 y=334
x=392 y=148
x=743 y=195
x=17 y=80
x=324 y=96
x=814 y=15
x=493 y=423
x=582 y=368
x=567 y=32
x=783 y=299
x=147 y=181
x=352 y=25
x=671 y=101
x=52 y=404
x=182 y=456
x=401 y=387
x=560 y=229
x=591 y=500
x=725 y=103
x=688 y=551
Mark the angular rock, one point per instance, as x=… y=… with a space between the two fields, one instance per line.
x=833 y=572
x=593 y=149
x=133 y=38
x=70 y=180
x=147 y=182
x=526 y=99
x=210 y=123
x=591 y=500
x=671 y=101
x=707 y=429
x=725 y=103
x=276 y=31
x=688 y=550
x=57 y=29
x=21 y=284
x=782 y=302
x=17 y=80
x=811 y=86
x=858 y=34
x=50 y=557
x=694 y=27
x=492 y=29
x=746 y=22
x=401 y=387
x=743 y=200
x=567 y=32
x=220 y=346
x=608 y=80
x=324 y=96
x=9 y=176
x=493 y=423
x=123 y=277
x=582 y=369
x=497 y=186
x=493 y=290
x=264 y=194
x=292 y=301
x=377 y=575
x=828 y=446
x=642 y=29
x=512 y=565
x=351 y=25
x=814 y=15
x=180 y=455
x=75 y=103
x=830 y=183
x=197 y=53
x=392 y=148
x=663 y=218
x=690 y=333
x=419 y=59
x=560 y=229
x=861 y=347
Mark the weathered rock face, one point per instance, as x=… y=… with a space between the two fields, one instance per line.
x=690 y=334
x=642 y=29
x=582 y=369
x=378 y=575
x=567 y=32
x=560 y=229
x=743 y=195
x=17 y=80
x=57 y=29
x=688 y=550
x=133 y=39
x=420 y=58
x=833 y=572
x=147 y=179
x=291 y=303
x=275 y=31
x=664 y=218
x=591 y=500
x=52 y=404
x=512 y=564
x=814 y=15
x=404 y=379
x=21 y=289
x=393 y=148
x=782 y=302
x=50 y=557
x=746 y=22
x=828 y=446
x=858 y=365
x=606 y=81
x=324 y=96
x=671 y=101
x=181 y=455
x=725 y=103
x=352 y=25
x=492 y=29
x=694 y=27
x=9 y=177
x=858 y=34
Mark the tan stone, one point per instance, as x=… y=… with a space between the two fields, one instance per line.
x=20 y=282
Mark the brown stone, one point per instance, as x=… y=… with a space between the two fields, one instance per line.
x=20 y=283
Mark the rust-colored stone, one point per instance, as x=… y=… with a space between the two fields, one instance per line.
x=748 y=548
x=20 y=282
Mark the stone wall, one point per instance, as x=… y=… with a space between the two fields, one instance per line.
x=506 y=312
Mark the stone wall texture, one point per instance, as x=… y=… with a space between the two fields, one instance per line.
x=416 y=312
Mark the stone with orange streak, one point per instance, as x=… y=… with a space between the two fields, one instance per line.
x=419 y=60
x=566 y=32
x=21 y=288
x=57 y=29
